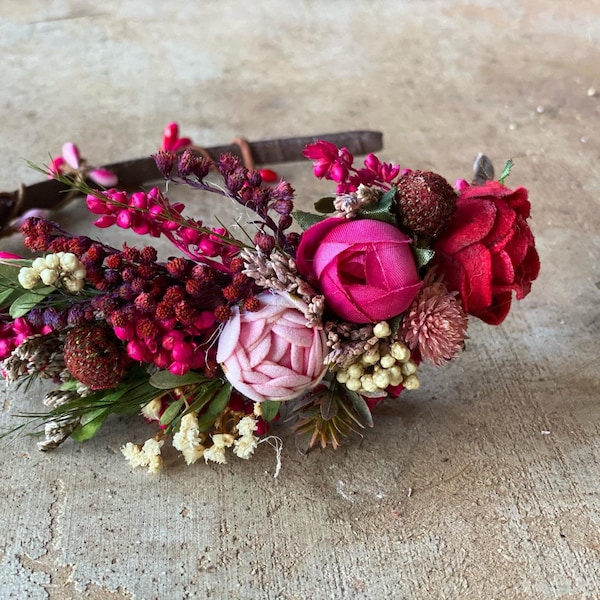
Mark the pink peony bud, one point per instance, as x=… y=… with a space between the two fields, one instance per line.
x=271 y=354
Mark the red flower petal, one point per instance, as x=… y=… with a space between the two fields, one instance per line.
x=473 y=220
x=496 y=313
x=502 y=268
x=477 y=264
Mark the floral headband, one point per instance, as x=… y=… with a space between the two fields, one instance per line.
x=308 y=318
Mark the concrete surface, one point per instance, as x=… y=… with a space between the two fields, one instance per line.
x=482 y=484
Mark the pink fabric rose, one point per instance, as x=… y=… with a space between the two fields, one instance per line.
x=271 y=354
x=365 y=268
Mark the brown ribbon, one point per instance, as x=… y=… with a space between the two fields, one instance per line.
x=131 y=174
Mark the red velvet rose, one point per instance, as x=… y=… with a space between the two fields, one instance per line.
x=489 y=251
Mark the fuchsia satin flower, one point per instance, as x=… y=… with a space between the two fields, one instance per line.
x=365 y=268
x=271 y=354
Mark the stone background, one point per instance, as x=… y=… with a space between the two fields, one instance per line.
x=484 y=483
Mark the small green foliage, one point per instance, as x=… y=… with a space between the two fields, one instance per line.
x=172 y=411
x=90 y=424
x=306 y=219
x=325 y=205
x=382 y=210
x=423 y=256
x=215 y=408
x=269 y=408
x=165 y=380
x=7 y=296
x=28 y=300
x=506 y=171
x=361 y=407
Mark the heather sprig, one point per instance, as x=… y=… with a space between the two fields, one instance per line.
x=272 y=204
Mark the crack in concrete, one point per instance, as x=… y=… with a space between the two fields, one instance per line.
x=61 y=584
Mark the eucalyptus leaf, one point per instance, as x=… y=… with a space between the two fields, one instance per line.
x=330 y=408
x=361 y=407
x=303 y=441
x=165 y=380
x=325 y=205
x=5 y=296
x=90 y=424
x=172 y=411
x=306 y=219
x=9 y=272
x=215 y=408
x=25 y=302
x=269 y=408
x=483 y=169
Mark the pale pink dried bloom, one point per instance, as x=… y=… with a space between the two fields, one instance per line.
x=435 y=323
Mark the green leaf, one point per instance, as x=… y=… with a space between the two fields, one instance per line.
x=306 y=219
x=388 y=198
x=394 y=324
x=269 y=408
x=24 y=303
x=172 y=411
x=506 y=171
x=325 y=205
x=361 y=407
x=423 y=256
x=5 y=295
x=90 y=424
x=165 y=380
x=215 y=408
x=382 y=210
x=330 y=408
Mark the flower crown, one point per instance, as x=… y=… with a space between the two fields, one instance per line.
x=214 y=344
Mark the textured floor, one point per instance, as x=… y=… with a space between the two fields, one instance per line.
x=484 y=483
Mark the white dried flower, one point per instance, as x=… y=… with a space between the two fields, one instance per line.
x=28 y=278
x=68 y=261
x=133 y=453
x=147 y=455
x=52 y=261
x=244 y=447
x=223 y=440
x=151 y=449
x=216 y=454
x=152 y=410
x=187 y=439
x=382 y=330
x=246 y=426
x=48 y=276
x=73 y=285
x=39 y=264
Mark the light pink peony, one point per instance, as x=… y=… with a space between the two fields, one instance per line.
x=271 y=354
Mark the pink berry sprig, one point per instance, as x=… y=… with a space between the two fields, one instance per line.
x=153 y=214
